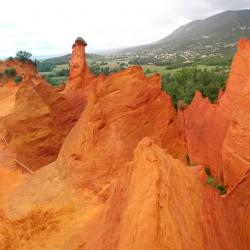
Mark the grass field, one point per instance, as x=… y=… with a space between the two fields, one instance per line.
x=152 y=69
x=60 y=67
x=115 y=63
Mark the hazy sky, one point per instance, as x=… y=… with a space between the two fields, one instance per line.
x=49 y=27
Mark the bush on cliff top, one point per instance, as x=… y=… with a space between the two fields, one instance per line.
x=23 y=56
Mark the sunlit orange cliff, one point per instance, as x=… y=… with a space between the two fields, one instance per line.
x=105 y=163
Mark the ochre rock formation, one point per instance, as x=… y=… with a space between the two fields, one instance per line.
x=122 y=109
x=38 y=123
x=22 y=68
x=236 y=149
x=158 y=203
x=78 y=66
x=8 y=87
x=121 y=180
x=169 y=206
x=236 y=146
x=217 y=135
x=81 y=81
x=7 y=99
x=205 y=126
x=238 y=84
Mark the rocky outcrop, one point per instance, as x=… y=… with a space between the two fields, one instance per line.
x=236 y=149
x=217 y=134
x=38 y=123
x=7 y=99
x=81 y=82
x=122 y=109
x=78 y=66
x=22 y=68
x=89 y=177
x=238 y=84
x=8 y=86
x=157 y=203
x=177 y=210
x=205 y=129
x=121 y=179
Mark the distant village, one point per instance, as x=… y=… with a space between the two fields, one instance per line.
x=185 y=55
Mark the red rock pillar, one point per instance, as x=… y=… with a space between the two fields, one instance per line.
x=78 y=65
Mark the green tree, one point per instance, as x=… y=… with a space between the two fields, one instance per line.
x=184 y=82
x=62 y=72
x=23 y=56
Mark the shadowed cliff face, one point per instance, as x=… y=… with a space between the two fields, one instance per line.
x=35 y=118
x=120 y=180
x=37 y=125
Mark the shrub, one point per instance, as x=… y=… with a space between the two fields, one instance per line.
x=10 y=72
x=181 y=105
x=207 y=171
x=210 y=181
x=18 y=79
x=1 y=75
x=23 y=56
x=62 y=72
x=55 y=81
x=222 y=189
x=182 y=84
x=10 y=58
x=44 y=66
x=148 y=71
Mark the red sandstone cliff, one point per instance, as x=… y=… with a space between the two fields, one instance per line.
x=37 y=125
x=8 y=87
x=78 y=66
x=217 y=135
x=81 y=81
x=34 y=121
x=22 y=68
x=120 y=179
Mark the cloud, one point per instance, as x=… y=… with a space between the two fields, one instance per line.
x=229 y=4
x=49 y=27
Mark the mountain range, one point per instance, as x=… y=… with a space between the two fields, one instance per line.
x=214 y=36
x=210 y=41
